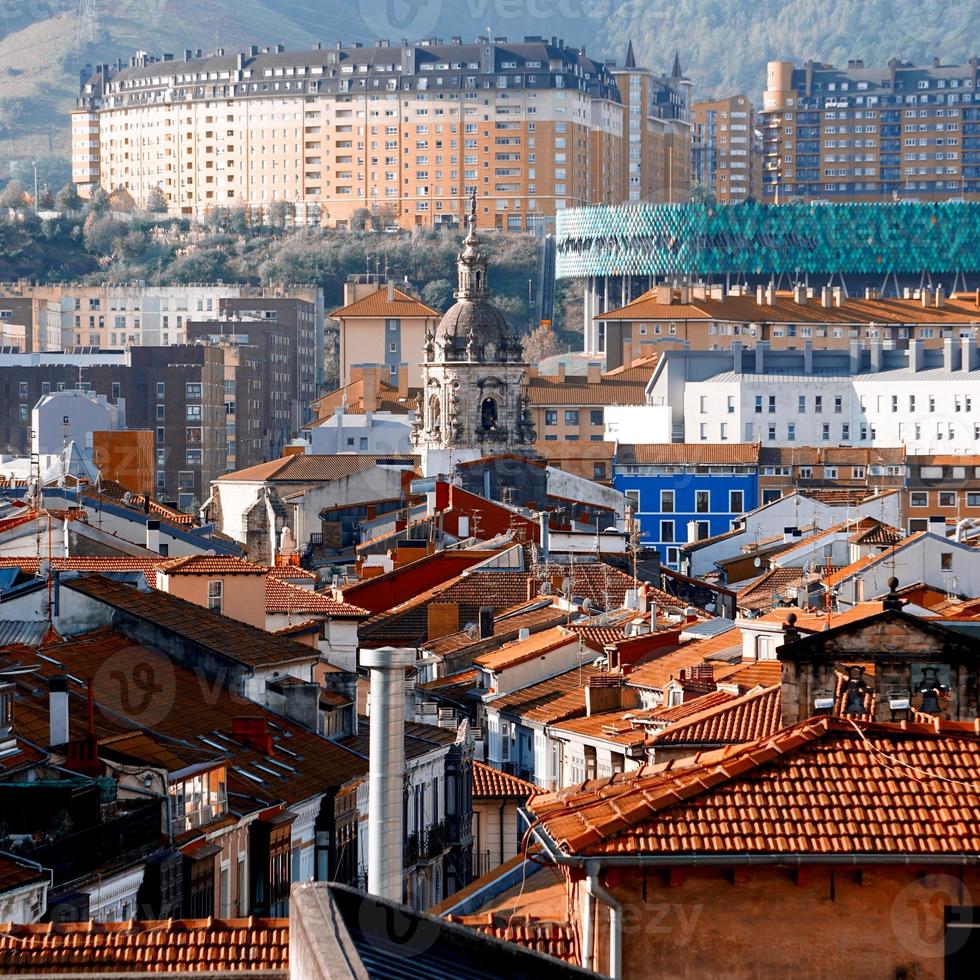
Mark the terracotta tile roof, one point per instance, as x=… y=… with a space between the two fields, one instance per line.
x=523 y=616
x=832 y=456
x=166 y=946
x=656 y=674
x=137 y=501
x=284 y=597
x=624 y=389
x=520 y=651
x=548 y=701
x=314 y=468
x=696 y=453
x=604 y=585
x=745 y=309
x=211 y=565
x=758 y=593
x=195 y=716
x=824 y=786
x=750 y=674
x=849 y=497
x=226 y=637
x=606 y=726
x=492 y=784
x=555 y=939
x=408 y=622
x=113 y=563
x=377 y=304
x=465 y=678
x=744 y=719
x=670 y=714
x=878 y=534
x=290 y=572
x=562 y=449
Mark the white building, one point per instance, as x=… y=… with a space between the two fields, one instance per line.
x=924 y=400
x=73 y=416
x=363 y=432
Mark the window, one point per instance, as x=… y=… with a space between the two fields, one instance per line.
x=946 y=561
x=194 y=457
x=703 y=431
x=758 y=404
x=24 y=389
x=185 y=480
x=666 y=501
x=193 y=391
x=920 y=499
x=595 y=416
x=947 y=498
x=702 y=501
x=772 y=404
x=703 y=404
x=825 y=432
x=791 y=432
x=161 y=390
x=838 y=404
x=194 y=413
x=550 y=417
x=633 y=499
x=731 y=404
x=818 y=404
x=736 y=501
x=571 y=416
x=161 y=413
x=703 y=529
x=830 y=472
x=801 y=407
x=598 y=471
x=216 y=595
x=667 y=531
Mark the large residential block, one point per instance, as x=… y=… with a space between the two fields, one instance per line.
x=404 y=132
x=899 y=131
x=726 y=159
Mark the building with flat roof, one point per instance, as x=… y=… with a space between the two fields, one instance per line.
x=898 y=131
x=726 y=159
x=401 y=133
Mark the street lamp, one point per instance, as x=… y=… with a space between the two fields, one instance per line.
x=34 y=163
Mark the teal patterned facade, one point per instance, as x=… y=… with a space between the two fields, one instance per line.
x=751 y=239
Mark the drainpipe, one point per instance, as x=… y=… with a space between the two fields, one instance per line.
x=588 y=940
x=597 y=892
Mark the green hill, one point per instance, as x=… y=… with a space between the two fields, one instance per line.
x=723 y=44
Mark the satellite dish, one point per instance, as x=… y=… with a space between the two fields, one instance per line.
x=210 y=553
x=43 y=568
x=566 y=586
x=545 y=588
x=586 y=604
x=757 y=562
x=127 y=497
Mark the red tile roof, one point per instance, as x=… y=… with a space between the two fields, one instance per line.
x=692 y=454
x=555 y=939
x=284 y=597
x=211 y=565
x=743 y=719
x=823 y=787
x=16 y=874
x=855 y=568
x=492 y=784
x=166 y=946
x=377 y=304
x=311 y=468
x=222 y=635
x=520 y=651
x=550 y=700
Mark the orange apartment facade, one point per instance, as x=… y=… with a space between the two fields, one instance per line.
x=726 y=160
x=405 y=132
x=900 y=131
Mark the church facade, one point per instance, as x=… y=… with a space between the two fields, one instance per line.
x=473 y=375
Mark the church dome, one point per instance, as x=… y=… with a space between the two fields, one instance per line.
x=473 y=329
x=478 y=319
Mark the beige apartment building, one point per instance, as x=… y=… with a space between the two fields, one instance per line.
x=404 y=133
x=119 y=315
x=899 y=132
x=656 y=132
x=382 y=325
x=726 y=158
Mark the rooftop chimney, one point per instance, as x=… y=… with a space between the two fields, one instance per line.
x=968 y=356
x=58 y=710
x=737 y=356
x=940 y=296
x=916 y=352
x=799 y=294
x=386 y=769
x=391 y=290
x=760 y=295
x=153 y=536
x=951 y=355
x=486 y=622
x=825 y=297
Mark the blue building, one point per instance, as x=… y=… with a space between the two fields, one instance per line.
x=680 y=492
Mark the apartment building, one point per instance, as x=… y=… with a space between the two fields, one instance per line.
x=119 y=315
x=656 y=132
x=383 y=325
x=406 y=132
x=874 y=395
x=712 y=318
x=871 y=134
x=726 y=155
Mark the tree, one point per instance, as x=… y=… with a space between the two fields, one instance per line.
x=44 y=199
x=540 y=343
x=359 y=219
x=700 y=194
x=13 y=195
x=51 y=170
x=156 y=201
x=438 y=294
x=67 y=199
x=98 y=203
x=279 y=213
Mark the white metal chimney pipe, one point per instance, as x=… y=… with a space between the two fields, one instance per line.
x=58 y=710
x=386 y=769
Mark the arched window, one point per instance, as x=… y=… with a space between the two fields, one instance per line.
x=435 y=414
x=488 y=414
